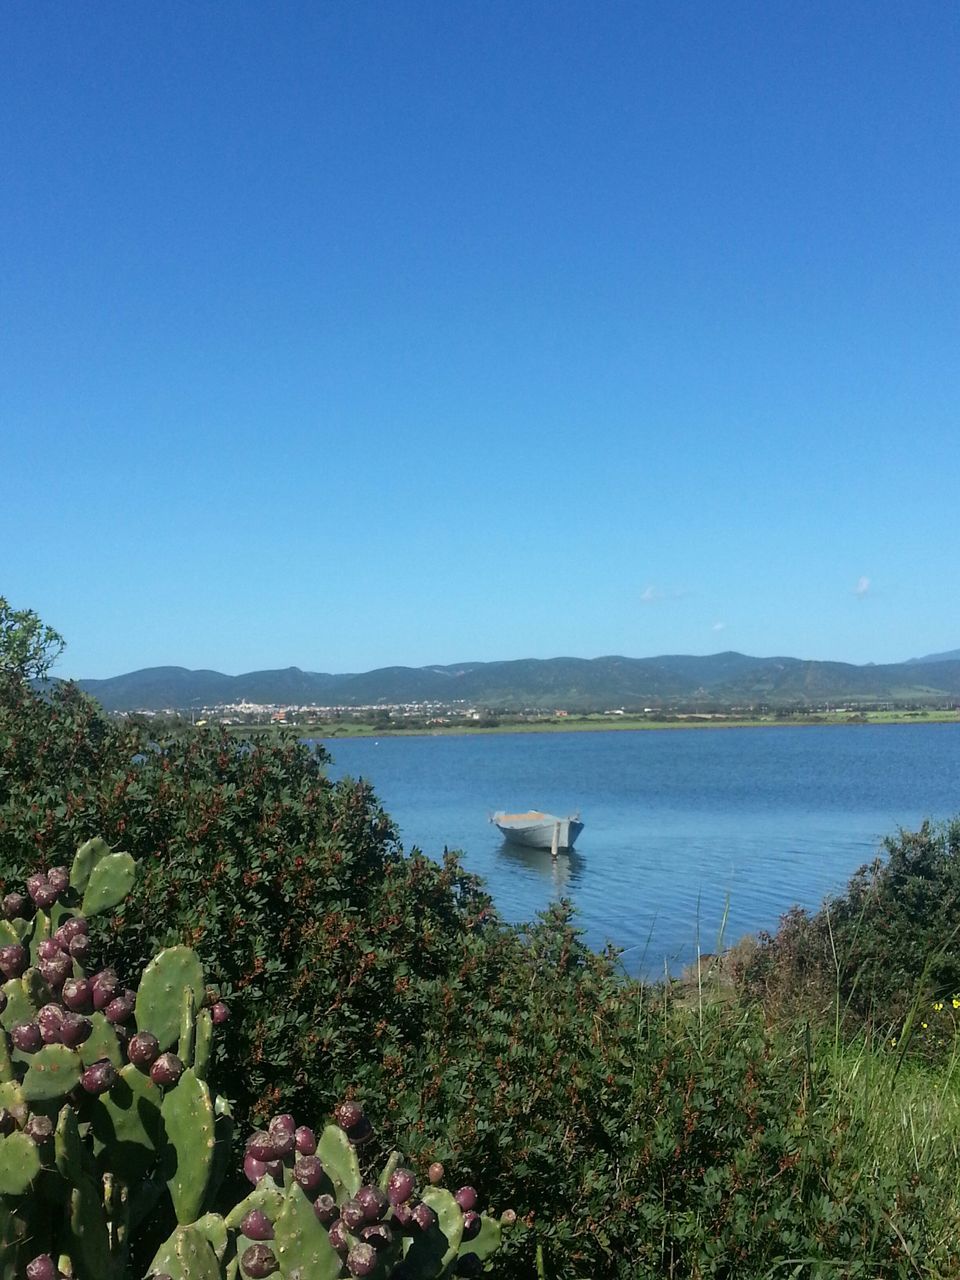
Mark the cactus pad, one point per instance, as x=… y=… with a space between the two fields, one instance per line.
x=301 y=1243
x=53 y=1072
x=188 y=1024
x=203 y=1043
x=265 y=1195
x=189 y=1122
x=433 y=1251
x=160 y=996
x=339 y=1160
x=6 y=1066
x=127 y=1124
x=486 y=1241
x=19 y=1007
x=88 y=1240
x=102 y=1042
x=68 y=1147
x=188 y=1253
x=19 y=1163
x=110 y=881
x=223 y=1142
x=35 y=988
x=85 y=859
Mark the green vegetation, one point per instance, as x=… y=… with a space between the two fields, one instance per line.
x=113 y=1149
x=401 y=727
x=760 y=1128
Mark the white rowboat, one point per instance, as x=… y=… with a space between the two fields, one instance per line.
x=538 y=830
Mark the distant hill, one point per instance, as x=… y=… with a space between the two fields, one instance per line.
x=720 y=679
x=952 y=655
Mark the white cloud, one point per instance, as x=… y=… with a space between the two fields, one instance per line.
x=656 y=595
x=862 y=587
x=719 y=626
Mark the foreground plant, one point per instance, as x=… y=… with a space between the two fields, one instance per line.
x=107 y=1122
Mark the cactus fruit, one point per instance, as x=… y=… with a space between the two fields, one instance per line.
x=59 y=878
x=120 y=1008
x=308 y=1172
x=39 y=1129
x=143 y=1050
x=466 y=1198
x=80 y=948
x=27 y=1037
x=103 y=987
x=257 y=1226
x=373 y=1202
x=401 y=1185
x=423 y=1216
x=325 y=1207
x=77 y=995
x=166 y=1070
x=351 y=1214
x=362 y=1260
x=306 y=1141
x=56 y=971
x=15 y=906
x=258 y=1261
x=348 y=1114
x=42 y=1267
x=99 y=1077
x=435 y=1173
x=14 y=960
x=74 y=1030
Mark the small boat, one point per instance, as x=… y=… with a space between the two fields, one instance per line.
x=538 y=830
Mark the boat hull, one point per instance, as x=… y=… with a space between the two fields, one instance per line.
x=539 y=834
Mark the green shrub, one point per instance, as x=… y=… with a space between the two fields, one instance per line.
x=889 y=944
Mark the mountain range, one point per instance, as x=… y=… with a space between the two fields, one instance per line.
x=573 y=683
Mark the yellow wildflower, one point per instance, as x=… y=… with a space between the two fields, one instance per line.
x=938 y=1005
x=894 y=1041
x=956 y=1002
x=924 y=1025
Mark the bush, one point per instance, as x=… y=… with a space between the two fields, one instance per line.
x=885 y=946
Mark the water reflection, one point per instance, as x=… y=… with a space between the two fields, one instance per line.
x=565 y=871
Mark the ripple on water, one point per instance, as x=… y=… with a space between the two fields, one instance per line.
x=685 y=831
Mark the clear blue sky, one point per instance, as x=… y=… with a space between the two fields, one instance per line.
x=350 y=334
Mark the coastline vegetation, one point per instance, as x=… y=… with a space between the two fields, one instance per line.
x=599 y=722
x=793 y=1110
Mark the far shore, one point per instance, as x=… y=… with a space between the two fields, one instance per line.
x=329 y=731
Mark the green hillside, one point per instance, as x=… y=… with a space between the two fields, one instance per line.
x=716 y=681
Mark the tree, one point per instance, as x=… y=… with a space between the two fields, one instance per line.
x=28 y=647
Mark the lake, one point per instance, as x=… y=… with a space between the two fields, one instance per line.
x=681 y=826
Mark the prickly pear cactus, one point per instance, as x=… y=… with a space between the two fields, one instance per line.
x=137 y=1128
x=107 y=1123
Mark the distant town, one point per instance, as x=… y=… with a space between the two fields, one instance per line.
x=428 y=717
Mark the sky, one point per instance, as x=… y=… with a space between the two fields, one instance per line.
x=351 y=335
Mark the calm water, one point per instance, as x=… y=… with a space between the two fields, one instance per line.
x=680 y=825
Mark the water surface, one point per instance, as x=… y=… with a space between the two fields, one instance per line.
x=682 y=826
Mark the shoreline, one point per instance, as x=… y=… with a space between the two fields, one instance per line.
x=324 y=732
